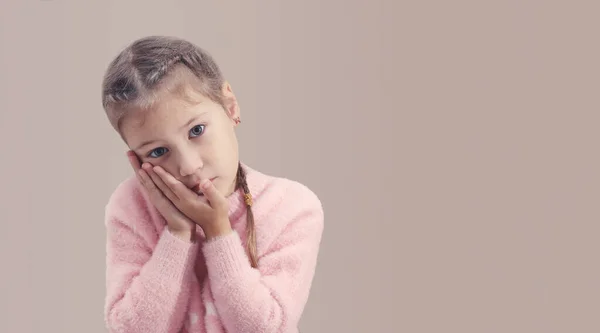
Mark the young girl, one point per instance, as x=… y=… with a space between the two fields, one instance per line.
x=198 y=241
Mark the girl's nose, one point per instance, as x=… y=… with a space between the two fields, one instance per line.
x=189 y=164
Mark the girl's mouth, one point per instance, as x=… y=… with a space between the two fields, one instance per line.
x=196 y=189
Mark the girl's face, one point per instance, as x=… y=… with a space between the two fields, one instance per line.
x=191 y=141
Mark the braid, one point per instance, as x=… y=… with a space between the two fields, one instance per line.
x=251 y=232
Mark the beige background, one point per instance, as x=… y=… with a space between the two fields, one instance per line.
x=454 y=145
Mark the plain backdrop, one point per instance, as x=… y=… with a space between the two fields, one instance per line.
x=454 y=145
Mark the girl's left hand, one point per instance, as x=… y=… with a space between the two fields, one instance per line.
x=210 y=213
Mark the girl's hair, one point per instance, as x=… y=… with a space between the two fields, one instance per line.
x=153 y=65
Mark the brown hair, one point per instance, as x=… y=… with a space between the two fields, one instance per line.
x=153 y=65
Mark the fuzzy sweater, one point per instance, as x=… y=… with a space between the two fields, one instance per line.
x=156 y=282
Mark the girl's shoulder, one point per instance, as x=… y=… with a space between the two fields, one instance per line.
x=286 y=211
x=126 y=193
x=128 y=203
x=278 y=194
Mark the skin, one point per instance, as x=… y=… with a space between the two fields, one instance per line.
x=178 y=145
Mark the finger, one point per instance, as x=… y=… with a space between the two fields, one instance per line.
x=154 y=192
x=176 y=186
x=216 y=199
x=133 y=160
x=159 y=183
x=158 y=198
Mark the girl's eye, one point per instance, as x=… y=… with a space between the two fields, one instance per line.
x=197 y=130
x=158 y=152
x=194 y=132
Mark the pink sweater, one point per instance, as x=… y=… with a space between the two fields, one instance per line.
x=158 y=283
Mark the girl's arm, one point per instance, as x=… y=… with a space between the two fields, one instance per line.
x=147 y=288
x=272 y=297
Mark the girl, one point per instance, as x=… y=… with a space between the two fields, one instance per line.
x=198 y=241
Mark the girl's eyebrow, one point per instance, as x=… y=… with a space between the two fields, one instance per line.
x=193 y=120
x=145 y=143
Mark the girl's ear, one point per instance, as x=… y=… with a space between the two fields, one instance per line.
x=231 y=104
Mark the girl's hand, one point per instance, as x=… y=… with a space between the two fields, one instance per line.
x=210 y=212
x=178 y=224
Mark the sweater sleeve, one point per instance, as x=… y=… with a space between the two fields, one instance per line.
x=272 y=297
x=147 y=288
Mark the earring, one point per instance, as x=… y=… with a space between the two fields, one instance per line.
x=237 y=120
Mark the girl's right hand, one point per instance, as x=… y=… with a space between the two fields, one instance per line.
x=179 y=224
